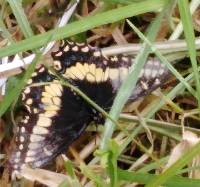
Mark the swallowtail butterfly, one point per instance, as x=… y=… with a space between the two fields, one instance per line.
x=56 y=115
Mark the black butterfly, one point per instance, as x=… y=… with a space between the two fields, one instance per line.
x=56 y=115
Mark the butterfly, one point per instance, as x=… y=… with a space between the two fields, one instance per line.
x=56 y=115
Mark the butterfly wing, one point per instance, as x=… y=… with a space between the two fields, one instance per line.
x=55 y=118
x=56 y=115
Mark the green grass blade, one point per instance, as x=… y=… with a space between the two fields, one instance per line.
x=83 y=25
x=14 y=94
x=22 y=20
x=165 y=62
x=190 y=39
x=144 y=178
x=179 y=164
x=129 y=83
x=112 y=163
x=177 y=89
x=92 y=176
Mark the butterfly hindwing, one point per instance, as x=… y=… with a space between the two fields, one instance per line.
x=55 y=117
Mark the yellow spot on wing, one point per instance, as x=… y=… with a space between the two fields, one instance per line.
x=50 y=113
x=86 y=68
x=99 y=74
x=46 y=94
x=92 y=68
x=90 y=77
x=50 y=91
x=47 y=100
x=68 y=74
x=51 y=108
x=56 y=89
x=106 y=74
x=81 y=68
x=57 y=101
x=58 y=85
x=76 y=72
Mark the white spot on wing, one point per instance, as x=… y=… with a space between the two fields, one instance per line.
x=36 y=138
x=29 y=81
x=43 y=121
x=22 y=129
x=57 y=65
x=85 y=49
x=123 y=73
x=47 y=152
x=154 y=73
x=144 y=85
x=125 y=59
x=106 y=74
x=27 y=90
x=18 y=154
x=75 y=48
x=114 y=74
x=34 y=74
x=21 y=138
x=40 y=130
x=30 y=153
x=161 y=71
x=29 y=159
x=157 y=81
x=34 y=145
x=97 y=53
x=59 y=53
x=21 y=146
x=41 y=69
x=147 y=72
x=66 y=48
